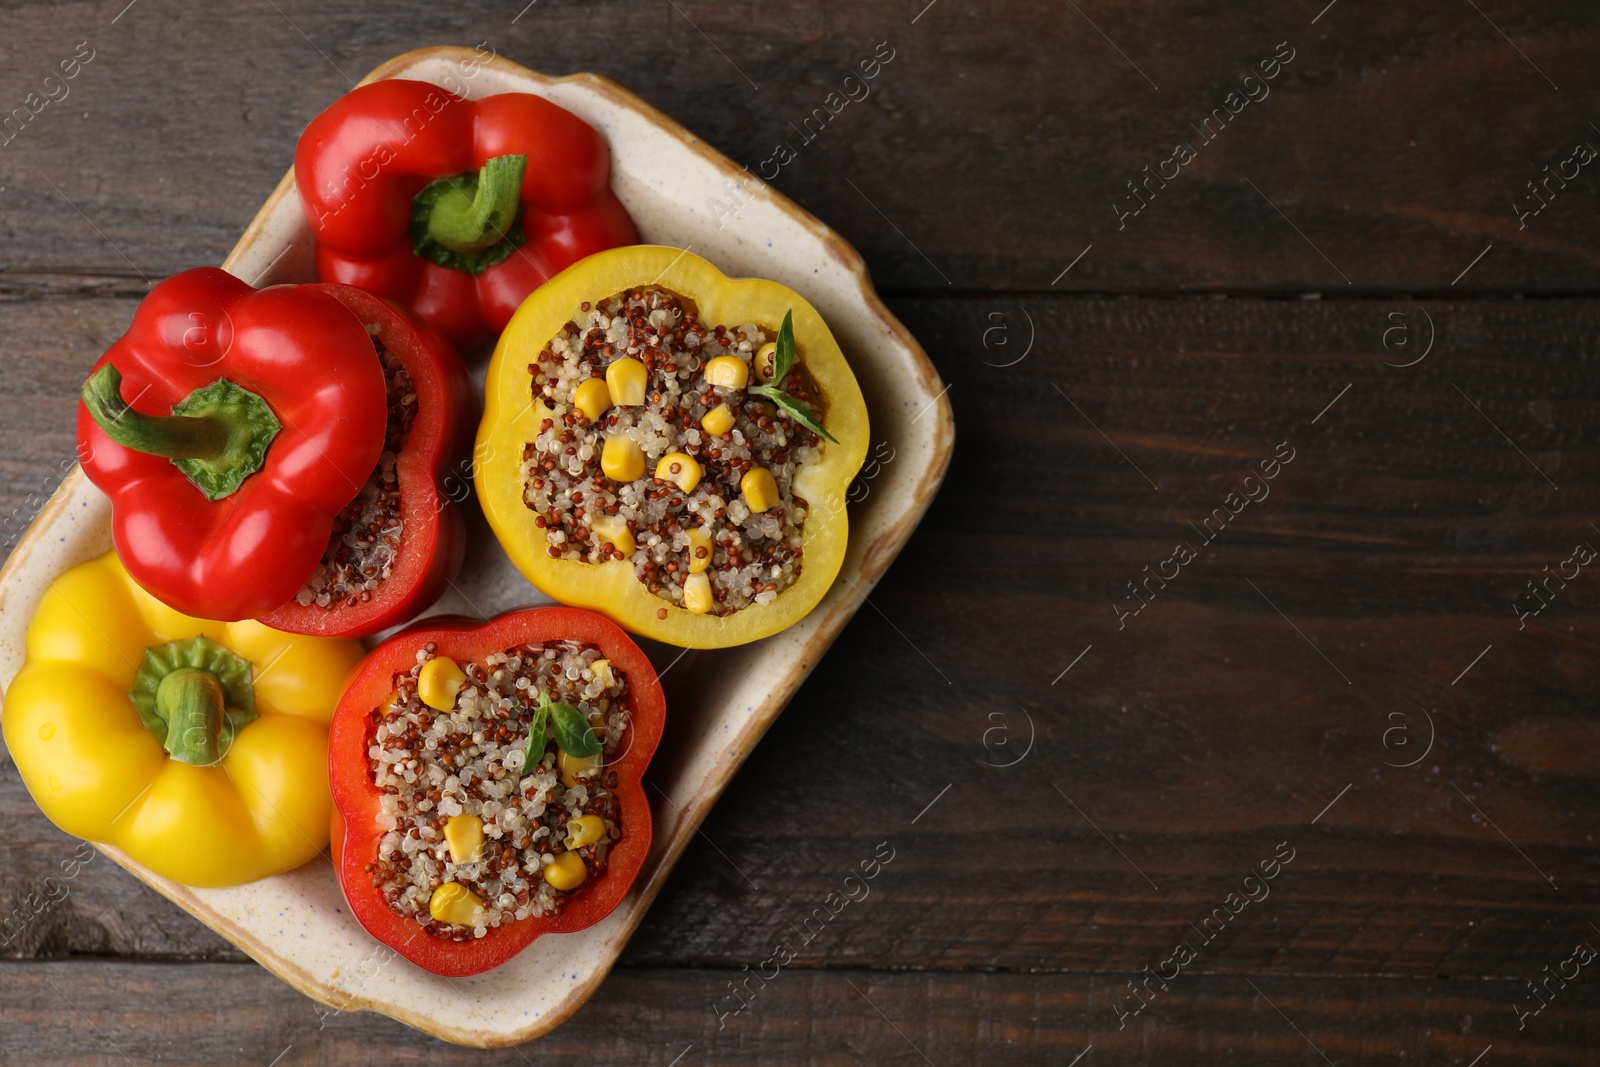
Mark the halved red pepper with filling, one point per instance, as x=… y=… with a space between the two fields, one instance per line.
x=229 y=427
x=487 y=783
x=395 y=547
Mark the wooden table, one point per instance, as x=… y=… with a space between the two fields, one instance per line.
x=1119 y=669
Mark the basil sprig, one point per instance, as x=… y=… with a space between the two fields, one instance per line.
x=574 y=735
x=573 y=732
x=783 y=361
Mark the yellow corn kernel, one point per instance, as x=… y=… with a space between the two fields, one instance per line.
x=455 y=903
x=464 y=834
x=574 y=767
x=766 y=356
x=627 y=379
x=697 y=593
x=727 y=372
x=593 y=398
x=603 y=672
x=585 y=830
x=439 y=681
x=614 y=528
x=621 y=458
x=718 y=421
x=680 y=469
x=760 y=489
x=566 y=871
x=700 y=549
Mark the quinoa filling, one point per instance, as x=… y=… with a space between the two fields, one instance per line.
x=460 y=809
x=687 y=512
x=366 y=535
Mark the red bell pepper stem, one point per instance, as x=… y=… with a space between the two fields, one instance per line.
x=218 y=435
x=477 y=212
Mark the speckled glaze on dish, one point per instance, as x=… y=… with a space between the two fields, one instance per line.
x=720 y=703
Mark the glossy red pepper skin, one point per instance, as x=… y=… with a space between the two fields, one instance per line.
x=433 y=538
x=312 y=361
x=357 y=833
x=359 y=163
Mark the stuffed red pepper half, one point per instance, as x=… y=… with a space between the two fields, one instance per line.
x=278 y=454
x=456 y=208
x=398 y=543
x=486 y=781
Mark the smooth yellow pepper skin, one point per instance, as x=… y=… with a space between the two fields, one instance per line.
x=97 y=773
x=510 y=421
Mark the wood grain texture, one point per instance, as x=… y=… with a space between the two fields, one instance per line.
x=1075 y=776
x=239 y=1014
x=1200 y=735
x=987 y=155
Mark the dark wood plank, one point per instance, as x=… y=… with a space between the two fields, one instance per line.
x=1197 y=738
x=1209 y=729
x=58 y=897
x=1340 y=671
x=989 y=153
x=99 y=1013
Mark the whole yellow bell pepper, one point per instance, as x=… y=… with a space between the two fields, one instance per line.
x=510 y=421
x=198 y=748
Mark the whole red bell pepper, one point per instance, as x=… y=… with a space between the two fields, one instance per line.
x=456 y=208
x=433 y=529
x=357 y=830
x=229 y=427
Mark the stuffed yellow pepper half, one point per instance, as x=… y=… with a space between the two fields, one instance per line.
x=671 y=447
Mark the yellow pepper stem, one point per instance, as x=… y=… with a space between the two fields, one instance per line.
x=194 y=696
x=192 y=702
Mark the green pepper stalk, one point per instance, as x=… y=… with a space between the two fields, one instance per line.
x=217 y=435
x=194 y=696
x=470 y=222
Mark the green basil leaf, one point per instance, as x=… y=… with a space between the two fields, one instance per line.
x=799 y=413
x=537 y=731
x=783 y=359
x=573 y=732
